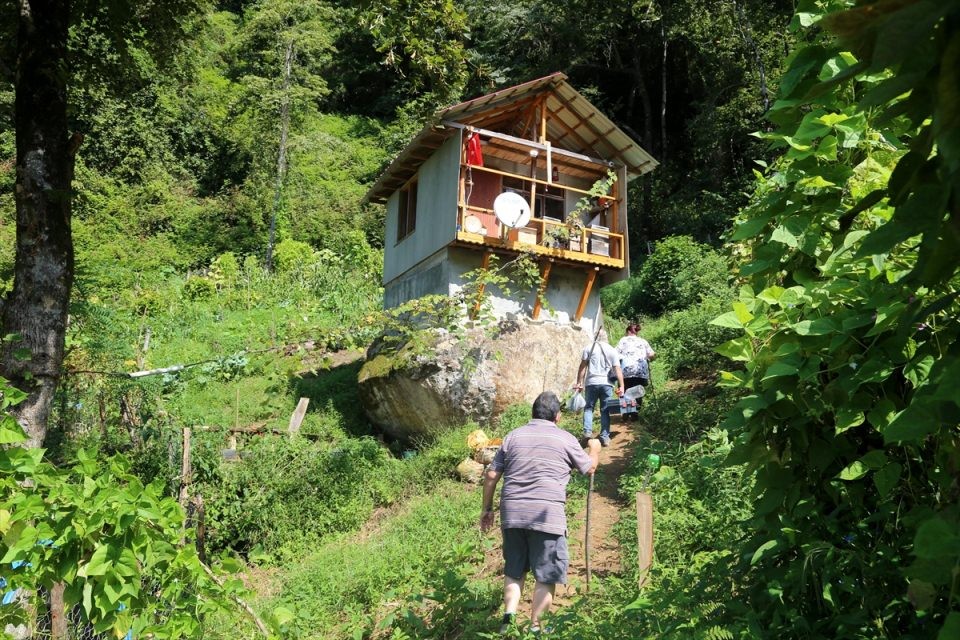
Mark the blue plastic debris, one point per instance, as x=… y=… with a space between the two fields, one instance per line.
x=9 y=596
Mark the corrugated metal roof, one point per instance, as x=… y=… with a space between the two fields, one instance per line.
x=573 y=124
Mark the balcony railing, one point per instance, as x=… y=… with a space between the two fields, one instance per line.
x=542 y=234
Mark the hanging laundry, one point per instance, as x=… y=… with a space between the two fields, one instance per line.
x=474 y=153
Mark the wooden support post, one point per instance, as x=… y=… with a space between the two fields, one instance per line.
x=297 y=418
x=543 y=121
x=475 y=311
x=542 y=289
x=58 y=612
x=591 y=277
x=186 y=472
x=533 y=182
x=644 y=535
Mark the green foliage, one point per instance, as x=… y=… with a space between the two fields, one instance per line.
x=618 y=299
x=291 y=493
x=422 y=38
x=849 y=335
x=680 y=273
x=688 y=340
x=113 y=541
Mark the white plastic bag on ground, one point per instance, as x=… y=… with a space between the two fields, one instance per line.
x=576 y=402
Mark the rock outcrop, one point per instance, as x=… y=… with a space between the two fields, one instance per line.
x=422 y=389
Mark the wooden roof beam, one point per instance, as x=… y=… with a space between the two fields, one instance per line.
x=586 y=122
x=571 y=131
x=535 y=145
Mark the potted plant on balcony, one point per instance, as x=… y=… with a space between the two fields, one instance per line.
x=569 y=234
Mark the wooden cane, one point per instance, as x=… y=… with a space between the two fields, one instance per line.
x=586 y=540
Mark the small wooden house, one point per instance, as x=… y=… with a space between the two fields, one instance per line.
x=542 y=140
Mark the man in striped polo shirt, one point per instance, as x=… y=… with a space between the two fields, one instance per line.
x=535 y=462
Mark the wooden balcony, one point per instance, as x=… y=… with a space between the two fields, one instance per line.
x=591 y=247
x=545 y=234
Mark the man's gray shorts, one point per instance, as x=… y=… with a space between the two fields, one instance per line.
x=543 y=553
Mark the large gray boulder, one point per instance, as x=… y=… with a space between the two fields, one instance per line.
x=442 y=379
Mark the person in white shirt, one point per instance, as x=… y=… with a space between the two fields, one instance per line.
x=635 y=355
x=592 y=377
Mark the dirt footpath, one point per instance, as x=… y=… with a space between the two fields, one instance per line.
x=606 y=510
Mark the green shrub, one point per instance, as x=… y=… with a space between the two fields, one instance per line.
x=679 y=273
x=620 y=299
x=199 y=288
x=291 y=492
x=292 y=254
x=687 y=341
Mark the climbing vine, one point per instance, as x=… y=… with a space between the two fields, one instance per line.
x=848 y=311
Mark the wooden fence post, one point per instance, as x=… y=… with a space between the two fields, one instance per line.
x=644 y=535
x=297 y=418
x=58 y=612
x=186 y=472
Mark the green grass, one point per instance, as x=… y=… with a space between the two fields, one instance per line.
x=351 y=585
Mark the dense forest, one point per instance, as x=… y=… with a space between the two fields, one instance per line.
x=795 y=265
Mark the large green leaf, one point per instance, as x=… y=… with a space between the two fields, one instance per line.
x=887 y=478
x=853 y=471
x=912 y=424
x=10 y=431
x=951 y=627
x=818 y=327
x=937 y=539
x=763 y=550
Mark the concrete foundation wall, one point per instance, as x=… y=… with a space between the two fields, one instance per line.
x=428 y=277
x=563 y=292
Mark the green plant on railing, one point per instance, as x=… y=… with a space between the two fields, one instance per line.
x=573 y=223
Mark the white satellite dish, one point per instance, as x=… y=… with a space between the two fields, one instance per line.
x=511 y=209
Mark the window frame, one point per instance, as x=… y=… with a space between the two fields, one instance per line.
x=406 y=211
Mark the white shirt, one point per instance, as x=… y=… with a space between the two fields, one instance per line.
x=601 y=357
x=633 y=349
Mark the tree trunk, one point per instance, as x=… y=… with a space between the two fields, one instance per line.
x=743 y=23
x=36 y=309
x=282 y=154
x=663 y=88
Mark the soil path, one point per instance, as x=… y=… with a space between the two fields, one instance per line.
x=606 y=509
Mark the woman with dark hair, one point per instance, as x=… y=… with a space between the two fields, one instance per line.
x=635 y=356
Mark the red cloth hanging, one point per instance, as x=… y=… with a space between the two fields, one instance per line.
x=474 y=153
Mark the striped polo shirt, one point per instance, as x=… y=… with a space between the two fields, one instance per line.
x=536 y=461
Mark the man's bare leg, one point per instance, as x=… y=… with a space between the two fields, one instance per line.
x=512 y=590
x=542 y=599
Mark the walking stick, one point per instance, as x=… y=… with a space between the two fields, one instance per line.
x=586 y=539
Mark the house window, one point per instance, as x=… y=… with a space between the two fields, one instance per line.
x=407 y=211
x=549 y=203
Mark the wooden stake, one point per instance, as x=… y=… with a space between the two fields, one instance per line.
x=644 y=535
x=297 y=418
x=58 y=613
x=185 y=469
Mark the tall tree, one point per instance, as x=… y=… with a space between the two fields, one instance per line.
x=35 y=313
x=36 y=310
